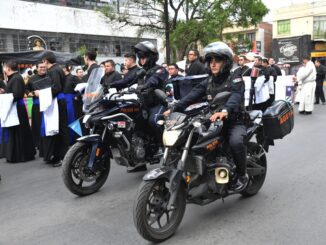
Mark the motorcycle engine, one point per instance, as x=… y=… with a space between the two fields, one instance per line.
x=138 y=147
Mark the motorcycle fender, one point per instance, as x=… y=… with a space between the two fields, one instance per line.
x=90 y=138
x=157 y=173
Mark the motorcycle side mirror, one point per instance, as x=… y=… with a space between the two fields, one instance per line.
x=221 y=98
x=160 y=94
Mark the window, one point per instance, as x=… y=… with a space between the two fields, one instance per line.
x=283 y=27
x=320 y=27
x=251 y=36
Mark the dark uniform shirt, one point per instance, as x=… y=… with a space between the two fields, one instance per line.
x=129 y=79
x=214 y=85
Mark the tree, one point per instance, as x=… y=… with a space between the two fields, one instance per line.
x=188 y=22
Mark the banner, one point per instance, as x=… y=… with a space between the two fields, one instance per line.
x=284 y=89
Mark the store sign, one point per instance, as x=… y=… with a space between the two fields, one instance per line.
x=291 y=50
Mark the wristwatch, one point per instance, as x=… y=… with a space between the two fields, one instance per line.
x=224 y=110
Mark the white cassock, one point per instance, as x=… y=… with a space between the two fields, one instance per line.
x=307 y=76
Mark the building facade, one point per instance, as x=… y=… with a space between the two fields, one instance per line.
x=69 y=26
x=299 y=29
x=257 y=39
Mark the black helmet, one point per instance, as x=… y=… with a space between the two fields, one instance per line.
x=221 y=51
x=148 y=50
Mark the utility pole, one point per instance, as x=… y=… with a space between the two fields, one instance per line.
x=167 y=30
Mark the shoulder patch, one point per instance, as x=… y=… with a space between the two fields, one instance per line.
x=160 y=70
x=237 y=80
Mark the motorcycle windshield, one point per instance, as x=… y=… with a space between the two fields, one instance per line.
x=94 y=89
x=175 y=119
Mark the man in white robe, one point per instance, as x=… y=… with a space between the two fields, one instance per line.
x=307 y=76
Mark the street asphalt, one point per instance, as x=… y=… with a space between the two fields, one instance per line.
x=36 y=208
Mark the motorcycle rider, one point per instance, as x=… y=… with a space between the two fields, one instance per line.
x=155 y=78
x=219 y=58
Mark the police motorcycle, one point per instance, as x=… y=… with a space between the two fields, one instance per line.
x=116 y=125
x=197 y=167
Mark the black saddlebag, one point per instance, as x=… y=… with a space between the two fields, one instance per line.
x=278 y=120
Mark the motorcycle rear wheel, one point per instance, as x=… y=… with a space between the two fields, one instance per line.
x=151 y=206
x=75 y=171
x=258 y=156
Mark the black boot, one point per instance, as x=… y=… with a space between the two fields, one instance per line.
x=242 y=183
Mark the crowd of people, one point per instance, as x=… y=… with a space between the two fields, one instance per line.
x=19 y=143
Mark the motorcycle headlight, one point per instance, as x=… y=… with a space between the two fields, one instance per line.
x=171 y=137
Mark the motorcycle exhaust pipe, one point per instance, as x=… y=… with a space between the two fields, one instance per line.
x=222 y=175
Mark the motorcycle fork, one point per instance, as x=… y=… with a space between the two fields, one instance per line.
x=176 y=176
x=94 y=154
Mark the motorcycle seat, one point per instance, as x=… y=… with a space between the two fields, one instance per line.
x=255 y=114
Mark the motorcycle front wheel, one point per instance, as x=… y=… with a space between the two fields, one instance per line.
x=78 y=178
x=153 y=219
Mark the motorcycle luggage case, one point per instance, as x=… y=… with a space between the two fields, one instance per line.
x=278 y=120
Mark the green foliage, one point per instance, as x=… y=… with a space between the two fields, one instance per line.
x=82 y=50
x=194 y=21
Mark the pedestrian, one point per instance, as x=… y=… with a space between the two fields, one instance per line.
x=320 y=77
x=307 y=76
x=80 y=73
x=17 y=140
x=2 y=91
x=132 y=76
x=90 y=62
x=179 y=90
x=195 y=67
x=74 y=107
x=277 y=69
x=53 y=148
x=111 y=75
x=33 y=84
x=242 y=69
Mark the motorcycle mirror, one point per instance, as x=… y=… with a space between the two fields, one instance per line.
x=221 y=98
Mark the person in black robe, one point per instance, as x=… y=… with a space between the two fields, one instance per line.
x=19 y=145
x=2 y=90
x=33 y=84
x=90 y=62
x=74 y=107
x=54 y=148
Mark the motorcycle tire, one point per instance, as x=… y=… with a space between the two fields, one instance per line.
x=255 y=182
x=148 y=190
x=72 y=171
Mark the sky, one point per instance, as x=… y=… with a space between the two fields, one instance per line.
x=275 y=4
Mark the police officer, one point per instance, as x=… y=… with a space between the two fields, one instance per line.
x=155 y=78
x=219 y=58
